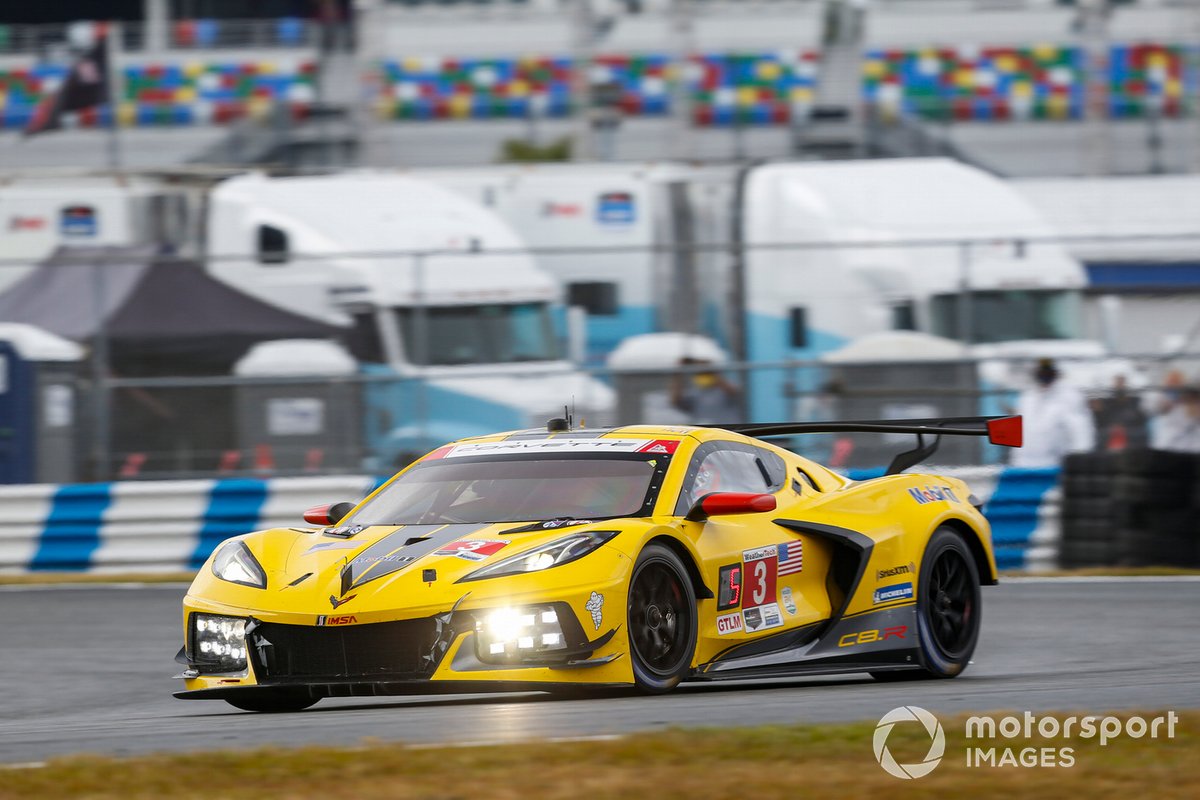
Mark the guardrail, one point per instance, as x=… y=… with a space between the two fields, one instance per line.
x=134 y=526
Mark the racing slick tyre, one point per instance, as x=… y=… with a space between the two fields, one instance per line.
x=276 y=701
x=661 y=620
x=948 y=609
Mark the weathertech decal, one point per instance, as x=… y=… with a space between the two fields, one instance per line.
x=564 y=445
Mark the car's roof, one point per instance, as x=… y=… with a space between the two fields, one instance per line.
x=625 y=438
x=669 y=432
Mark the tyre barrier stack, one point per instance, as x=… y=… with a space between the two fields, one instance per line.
x=1132 y=508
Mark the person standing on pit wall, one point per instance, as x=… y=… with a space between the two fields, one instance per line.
x=1057 y=420
x=1178 y=428
x=705 y=396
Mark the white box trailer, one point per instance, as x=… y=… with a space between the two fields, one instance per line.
x=637 y=218
x=897 y=258
x=39 y=214
x=434 y=287
x=737 y=255
x=1139 y=239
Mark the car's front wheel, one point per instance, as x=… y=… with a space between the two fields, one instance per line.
x=661 y=620
x=272 y=700
x=948 y=609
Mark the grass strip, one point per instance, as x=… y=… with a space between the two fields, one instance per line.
x=762 y=762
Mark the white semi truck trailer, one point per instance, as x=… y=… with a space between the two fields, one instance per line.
x=788 y=261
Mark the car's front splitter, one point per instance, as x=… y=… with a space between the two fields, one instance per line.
x=404 y=688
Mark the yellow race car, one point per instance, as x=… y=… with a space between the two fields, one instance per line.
x=635 y=556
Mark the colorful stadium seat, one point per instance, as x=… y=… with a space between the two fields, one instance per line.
x=988 y=83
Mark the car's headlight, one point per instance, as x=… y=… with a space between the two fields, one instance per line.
x=552 y=554
x=219 y=643
x=235 y=563
x=505 y=634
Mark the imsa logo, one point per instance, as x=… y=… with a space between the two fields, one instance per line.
x=344 y=619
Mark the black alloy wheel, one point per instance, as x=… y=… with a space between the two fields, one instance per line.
x=661 y=620
x=948 y=610
x=950 y=600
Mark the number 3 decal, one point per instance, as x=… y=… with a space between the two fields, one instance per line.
x=762 y=567
x=759 y=593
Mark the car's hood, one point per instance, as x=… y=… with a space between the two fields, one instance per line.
x=382 y=566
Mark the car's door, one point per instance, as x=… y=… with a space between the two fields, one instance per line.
x=756 y=565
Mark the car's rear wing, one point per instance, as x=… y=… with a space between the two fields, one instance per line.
x=1006 y=431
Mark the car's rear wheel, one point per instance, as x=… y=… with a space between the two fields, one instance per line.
x=948 y=609
x=275 y=701
x=661 y=620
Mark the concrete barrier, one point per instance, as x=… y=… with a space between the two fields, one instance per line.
x=136 y=526
x=152 y=526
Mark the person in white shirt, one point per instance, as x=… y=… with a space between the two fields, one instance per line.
x=1178 y=428
x=1057 y=420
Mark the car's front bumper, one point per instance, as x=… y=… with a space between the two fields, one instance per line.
x=431 y=653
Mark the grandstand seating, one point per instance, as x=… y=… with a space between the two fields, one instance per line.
x=753 y=88
x=192 y=93
x=1042 y=82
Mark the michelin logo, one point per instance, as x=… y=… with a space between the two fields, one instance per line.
x=595 y=605
x=899 y=591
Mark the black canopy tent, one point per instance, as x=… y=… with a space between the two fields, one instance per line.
x=160 y=316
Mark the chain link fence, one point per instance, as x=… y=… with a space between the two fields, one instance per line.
x=391 y=375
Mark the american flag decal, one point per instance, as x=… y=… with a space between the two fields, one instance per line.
x=791 y=558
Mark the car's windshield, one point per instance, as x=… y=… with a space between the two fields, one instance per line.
x=479 y=334
x=515 y=490
x=1008 y=315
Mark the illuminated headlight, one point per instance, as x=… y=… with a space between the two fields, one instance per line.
x=552 y=554
x=235 y=563
x=219 y=643
x=506 y=634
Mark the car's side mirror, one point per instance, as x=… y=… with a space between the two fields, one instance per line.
x=721 y=503
x=328 y=514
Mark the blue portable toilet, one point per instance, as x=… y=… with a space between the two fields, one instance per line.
x=38 y=372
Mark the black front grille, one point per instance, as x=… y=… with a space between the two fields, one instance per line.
x=377 y=652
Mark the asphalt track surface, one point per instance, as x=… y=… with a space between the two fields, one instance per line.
x=88 y=670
